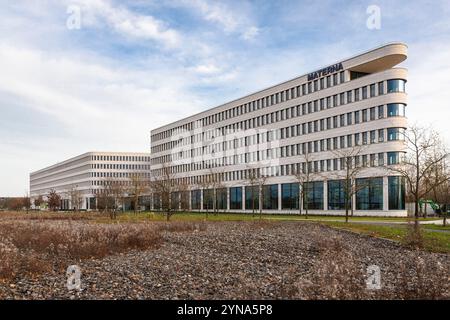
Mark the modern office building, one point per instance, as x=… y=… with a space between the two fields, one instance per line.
x=87 y=174
x=353 y=109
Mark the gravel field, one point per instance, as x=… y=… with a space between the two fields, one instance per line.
x=237 y=260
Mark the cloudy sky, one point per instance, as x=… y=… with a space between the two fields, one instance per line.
x=135 y=65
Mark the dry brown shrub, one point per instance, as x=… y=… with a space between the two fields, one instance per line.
x=422 y=277
x=48 y=215
x=36 y=246
x=414 y=236
x=335 y=275
x=182 y=226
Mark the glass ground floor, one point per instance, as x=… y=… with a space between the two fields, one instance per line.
x=372 y=194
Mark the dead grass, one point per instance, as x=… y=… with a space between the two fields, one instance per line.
x=48 y=215
x=179 y=226
x=337 y=274
x=32 y=247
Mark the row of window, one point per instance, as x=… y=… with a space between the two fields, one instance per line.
x=329 y=123
x=267 y=101
x=281 y=115
x=369 y=196
x=121 y=158
x=117 y=174
x=337 y=164
x=329 y=144
x=110 y=166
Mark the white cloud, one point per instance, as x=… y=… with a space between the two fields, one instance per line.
x=428 y=85
x=100 y=107
x=236 y=19
x=250 y=33
x=207 y=69
x=127 y=22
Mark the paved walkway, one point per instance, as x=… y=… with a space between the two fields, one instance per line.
x=373 y=222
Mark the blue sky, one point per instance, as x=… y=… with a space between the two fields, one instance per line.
x=137 y=65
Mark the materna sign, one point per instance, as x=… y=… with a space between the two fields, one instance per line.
x=325 y=71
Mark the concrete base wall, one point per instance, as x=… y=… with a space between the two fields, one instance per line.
x=357 y=213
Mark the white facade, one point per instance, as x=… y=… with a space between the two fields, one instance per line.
x=357 y=101
x=87 y=174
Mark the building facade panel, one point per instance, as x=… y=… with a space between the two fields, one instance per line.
x=358 y=103
x=87 y=174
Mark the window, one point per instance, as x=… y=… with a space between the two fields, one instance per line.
x=372 y=136
x=252 y=198
x=208 y=199
x=221 y=198
x=364 y=93
x=395 y=110
x=380 y=88
x=356 y=94
x=372 y=113
x=349 y=97
x=349 y=118
x=396 y=189
x=314 y=195
x=289 y=195
x=356 y=117
x=357 y=142
x=393 y=158
x=196 y=199
x=381 y=159
x=270 y=197
x=381 y=135
x=395 y=134
x=342 y=120
x=336 y=195
x=236 y=198
x=364 y=137
x=370 y=194
x=396 y=85
x=342 y=77
x=372 y=90
x=364 y=115
x=380 y=112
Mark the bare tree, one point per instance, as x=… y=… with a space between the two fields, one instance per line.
x=254 y=182
x=112 y=195
x=163 y=186
x=216 y=183
x=183 y=189
x=420 y=162
x=26 y=202
x=439 y=193
x=138 y=186
x=303 y=175
x=38 y=201
x=350 y=168
x=208 y=194
x=75 y=197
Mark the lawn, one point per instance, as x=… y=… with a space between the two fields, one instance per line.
x=200 y=216
x=434 y=241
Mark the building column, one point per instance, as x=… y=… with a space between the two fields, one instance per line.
x=243 y=198
x=354 y=201
x=385 y=194
x=201 y=199
x=280 y=202
x=325 y=195
x=228 y=198
x=190 y=200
